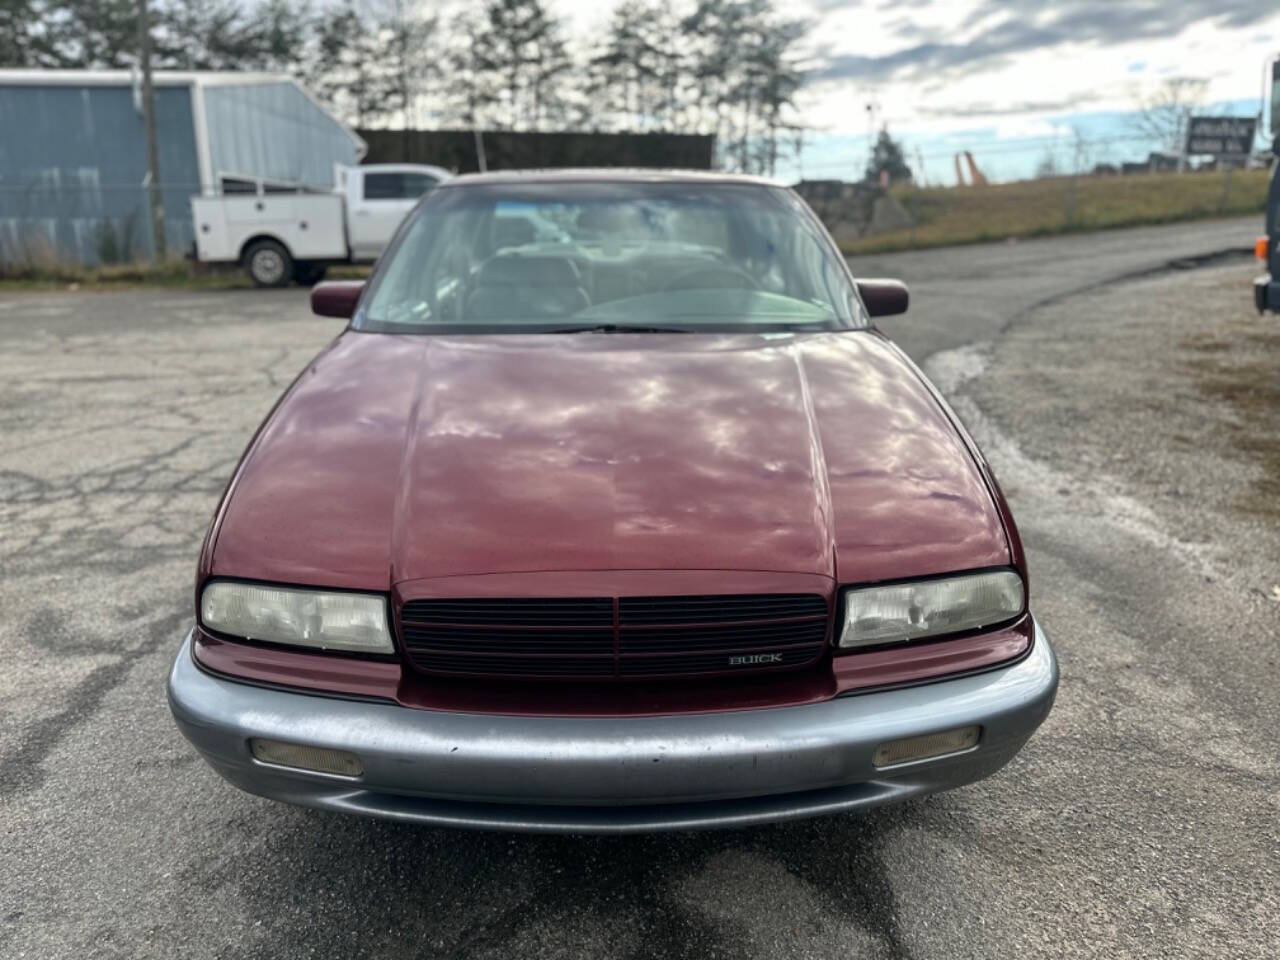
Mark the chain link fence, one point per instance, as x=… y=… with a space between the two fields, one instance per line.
x=998 y=190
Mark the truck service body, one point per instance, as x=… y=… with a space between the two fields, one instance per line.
x=281 y=234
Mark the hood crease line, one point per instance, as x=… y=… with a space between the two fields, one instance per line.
x=401 y=507
x=817 y=460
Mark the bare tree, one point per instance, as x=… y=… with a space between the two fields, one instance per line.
x=1162 y=115
x=1081 y=151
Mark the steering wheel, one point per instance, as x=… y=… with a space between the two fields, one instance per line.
x=713 y=278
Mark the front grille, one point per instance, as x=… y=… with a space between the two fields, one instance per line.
x=600 y=637
x=699 y=638
x=506 y=666
x=541 y=611
x=645 y=610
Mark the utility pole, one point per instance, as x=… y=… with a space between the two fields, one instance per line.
x=149 y=122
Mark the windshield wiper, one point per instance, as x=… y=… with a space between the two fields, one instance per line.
x=617 y=328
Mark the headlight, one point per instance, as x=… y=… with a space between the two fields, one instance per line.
x=307 y=618
x=899 y=612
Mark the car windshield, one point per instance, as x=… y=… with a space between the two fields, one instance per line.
x=611 y=257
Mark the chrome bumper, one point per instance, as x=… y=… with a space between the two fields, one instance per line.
x=612 y=774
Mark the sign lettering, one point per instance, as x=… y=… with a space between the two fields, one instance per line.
x=1221 y=136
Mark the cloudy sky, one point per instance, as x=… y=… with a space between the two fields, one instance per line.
x=1009 y=79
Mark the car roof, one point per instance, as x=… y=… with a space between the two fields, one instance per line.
x=605 y=175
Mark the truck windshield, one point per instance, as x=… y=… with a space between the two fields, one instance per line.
x=612 y=257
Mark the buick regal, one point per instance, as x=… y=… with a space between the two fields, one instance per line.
x=610 y=510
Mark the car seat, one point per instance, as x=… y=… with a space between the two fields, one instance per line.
x=517 y=287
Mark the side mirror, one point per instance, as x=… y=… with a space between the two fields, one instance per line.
x=883 y=298
x=1275 y=103
x=337 y=298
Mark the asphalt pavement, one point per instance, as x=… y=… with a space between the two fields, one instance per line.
x=1140 y=821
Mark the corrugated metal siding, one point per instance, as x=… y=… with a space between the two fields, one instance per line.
x=72 y=165
x=273 y=131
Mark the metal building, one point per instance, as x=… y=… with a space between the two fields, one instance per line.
x=73 y=169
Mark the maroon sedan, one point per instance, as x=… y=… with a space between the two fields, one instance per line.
x=610 y=510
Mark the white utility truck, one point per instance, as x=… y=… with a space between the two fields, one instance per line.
x=281 y=234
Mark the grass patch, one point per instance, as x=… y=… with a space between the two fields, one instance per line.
x=170 y=273
x=947 y=216
x=177 y=274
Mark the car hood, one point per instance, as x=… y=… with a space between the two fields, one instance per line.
x=399 y=458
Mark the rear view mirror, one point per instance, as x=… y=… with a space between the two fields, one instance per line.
x=337 y=298
x=884 y=298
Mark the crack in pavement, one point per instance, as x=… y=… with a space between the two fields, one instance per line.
x=24 y=767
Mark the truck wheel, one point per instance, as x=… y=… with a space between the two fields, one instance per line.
x=269 y=264
x=308 y=274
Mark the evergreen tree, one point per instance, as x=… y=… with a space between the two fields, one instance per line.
x=99 y=34
x=20 y=21
x=343 y=68
x=635 y=75
x=887 y=156
x=471 y=90
x=186 y=34
x=278 y=39
x=521 y=53
x=406 y=57
x=745 y=75
x=724 y=67
x=201 y=35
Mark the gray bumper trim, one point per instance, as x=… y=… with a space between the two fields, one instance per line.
x=612 y=774
x=1266 y=293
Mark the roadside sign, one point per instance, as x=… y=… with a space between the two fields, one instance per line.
x=1221 y=136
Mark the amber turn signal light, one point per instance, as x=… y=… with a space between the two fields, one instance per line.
x=302 y=757
x=1261 y=248
x=928 y=747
